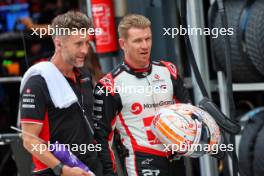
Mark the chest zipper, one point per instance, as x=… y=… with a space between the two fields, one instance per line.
x=153 y=98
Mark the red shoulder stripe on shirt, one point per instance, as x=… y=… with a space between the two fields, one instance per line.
x=108 y=82
x=171 y=67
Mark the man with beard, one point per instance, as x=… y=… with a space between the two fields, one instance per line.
x=50 y=115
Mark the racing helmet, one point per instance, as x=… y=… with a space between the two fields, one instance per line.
x=187 y=130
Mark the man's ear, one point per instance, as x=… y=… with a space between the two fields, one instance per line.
x=121 y=43
x=57 y=43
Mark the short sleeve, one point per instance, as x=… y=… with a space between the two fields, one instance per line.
x=33 y=101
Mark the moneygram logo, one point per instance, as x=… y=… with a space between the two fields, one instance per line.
x=136 y=108
x=161 y=103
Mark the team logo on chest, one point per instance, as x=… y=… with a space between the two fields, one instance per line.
x=136 y=108
x=28 y=91
x=157 y=77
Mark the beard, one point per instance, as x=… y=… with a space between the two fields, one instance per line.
x=73 y=60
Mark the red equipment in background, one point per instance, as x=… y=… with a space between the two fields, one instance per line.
x=103 y=18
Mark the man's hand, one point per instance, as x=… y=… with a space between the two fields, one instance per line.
x=74 y=171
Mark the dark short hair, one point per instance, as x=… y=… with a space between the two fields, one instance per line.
x=71 y=20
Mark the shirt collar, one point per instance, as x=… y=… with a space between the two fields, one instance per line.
x=140 y=73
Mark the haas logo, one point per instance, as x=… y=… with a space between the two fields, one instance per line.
x=28 y=91
x=156 y=76
x=136 y=108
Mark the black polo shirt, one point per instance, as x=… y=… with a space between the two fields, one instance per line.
x=67 y=125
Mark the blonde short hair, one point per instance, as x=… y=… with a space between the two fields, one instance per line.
x=130 y=21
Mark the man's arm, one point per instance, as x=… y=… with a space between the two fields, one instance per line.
x=179 y=91
x=35 y=146
x=32 y=111
x=106 y=107
x=41 y=152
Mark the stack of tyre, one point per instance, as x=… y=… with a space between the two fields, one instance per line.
x=251 y=155
x=246 y=17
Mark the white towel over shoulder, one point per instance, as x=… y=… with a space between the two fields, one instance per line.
x=60 y=91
